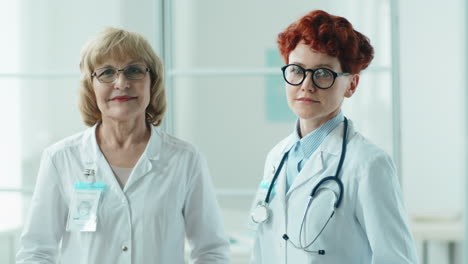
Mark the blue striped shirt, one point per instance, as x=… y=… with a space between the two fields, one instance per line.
x=304 y=147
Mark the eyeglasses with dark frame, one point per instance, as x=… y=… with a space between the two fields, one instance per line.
x=131 y=72
x=322 y=78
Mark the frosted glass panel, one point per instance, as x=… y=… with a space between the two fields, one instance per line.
x=10 y=213
x=58 y=30
x=49 y=113
x=52 y=32
x=212 y=33
x=9 y=26
x=370 y=108
x=226 y=118
x=14 y=208
x=9 y=134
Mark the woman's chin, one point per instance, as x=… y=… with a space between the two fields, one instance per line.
x=306 y=115
x=125 y=116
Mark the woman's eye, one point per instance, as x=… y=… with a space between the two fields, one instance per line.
x=134 y=70
x=322 y=73
x=107 y=72
x=296 y=70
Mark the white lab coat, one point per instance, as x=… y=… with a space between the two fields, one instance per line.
x=168 y=197
x=370 y=226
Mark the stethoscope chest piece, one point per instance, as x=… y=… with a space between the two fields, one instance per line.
x=260 y=214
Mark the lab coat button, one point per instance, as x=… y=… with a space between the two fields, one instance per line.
x=124 y=248
x=273 y=169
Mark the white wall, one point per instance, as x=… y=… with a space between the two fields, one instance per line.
x=434 y=114
x=433 y=104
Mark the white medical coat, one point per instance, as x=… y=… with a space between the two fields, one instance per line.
x=167 y=198
x=370 y=226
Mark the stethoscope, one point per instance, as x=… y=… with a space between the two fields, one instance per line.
x=262 y=213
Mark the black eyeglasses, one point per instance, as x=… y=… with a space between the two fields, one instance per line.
x=131 y=72
x=322 y=78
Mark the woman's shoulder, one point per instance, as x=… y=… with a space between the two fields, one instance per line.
x=367 y=154
x=71 y=142
x=171 y=143
x=364 y=146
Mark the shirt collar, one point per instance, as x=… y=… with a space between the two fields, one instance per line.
x=308 y=144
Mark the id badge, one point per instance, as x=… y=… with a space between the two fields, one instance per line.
x=82 y=215
x=264 y=186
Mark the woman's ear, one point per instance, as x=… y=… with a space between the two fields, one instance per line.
x=352 y=86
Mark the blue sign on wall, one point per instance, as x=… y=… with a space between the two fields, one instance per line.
x=277 y=106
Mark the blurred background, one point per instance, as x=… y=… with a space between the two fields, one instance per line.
x=226 y=95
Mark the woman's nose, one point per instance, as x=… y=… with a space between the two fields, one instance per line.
x=308 y=84
x=121 y=82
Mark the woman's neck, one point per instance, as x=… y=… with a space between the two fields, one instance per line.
x=308 y=125
x=117 y=134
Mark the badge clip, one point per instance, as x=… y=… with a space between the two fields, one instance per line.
x=89 y=174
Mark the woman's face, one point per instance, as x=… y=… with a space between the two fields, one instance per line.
x=307 y=101
x=122 y=99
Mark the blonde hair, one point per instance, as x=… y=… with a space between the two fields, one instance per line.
x=120 y=44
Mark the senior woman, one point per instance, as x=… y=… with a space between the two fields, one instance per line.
x=328 y=195
x=122 y=191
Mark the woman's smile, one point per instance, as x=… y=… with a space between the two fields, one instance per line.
x=307 y=100
x=123 y=98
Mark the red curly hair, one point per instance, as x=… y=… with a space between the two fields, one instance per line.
x=329 y=34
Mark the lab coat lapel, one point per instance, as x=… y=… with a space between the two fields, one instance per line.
x=94 y=159
x=104 y=171
x=312 y=167
x=326 y=155
x=142 y=168
x=145 y=164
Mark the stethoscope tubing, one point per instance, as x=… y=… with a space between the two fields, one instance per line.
x=272 y=183
x=335 y=178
